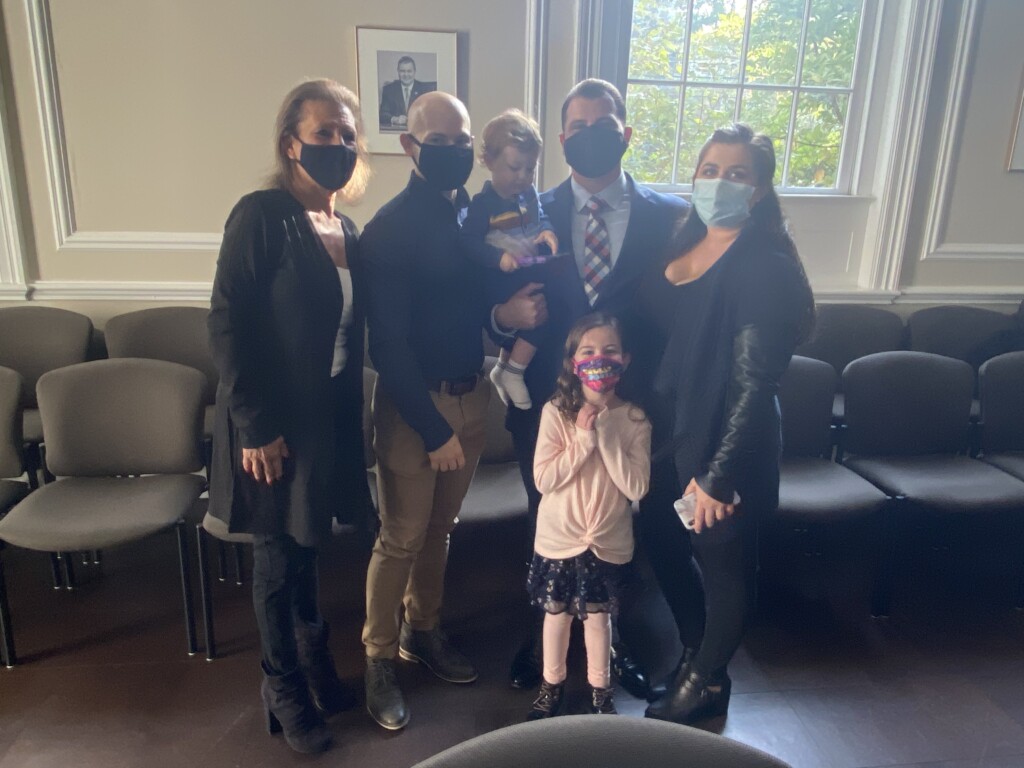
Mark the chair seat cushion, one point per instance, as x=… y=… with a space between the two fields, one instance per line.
x=11 y=492
x=32 y=426
x=838 y=408
x=219 y=530
x=947 y=484
x=83 y=513
x=496 y=493
x=1011 y=461
x=819 y=490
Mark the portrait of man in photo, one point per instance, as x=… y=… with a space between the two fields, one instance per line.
x=396 y=96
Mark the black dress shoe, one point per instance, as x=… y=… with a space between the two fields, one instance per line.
x=694 y=698
x=673 y=678
x=630 y=675
x=526 y=666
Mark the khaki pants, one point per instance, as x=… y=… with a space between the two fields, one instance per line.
x=418 y=509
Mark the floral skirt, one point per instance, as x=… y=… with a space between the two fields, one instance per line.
x=578 y=585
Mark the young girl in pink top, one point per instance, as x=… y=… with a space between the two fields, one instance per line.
x=593 y=458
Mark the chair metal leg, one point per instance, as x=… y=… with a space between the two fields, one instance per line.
x=69 y=570
x=97 y=557
x=186 y=588
x=206 y=593
x=881 y=595
x=6 y=632
x=222 y=561
x=239 y=565
x=58 y=578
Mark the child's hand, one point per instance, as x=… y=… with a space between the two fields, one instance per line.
x=587 y=416
x=508 y=262
x=549 y=239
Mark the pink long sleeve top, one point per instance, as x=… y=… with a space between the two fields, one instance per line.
x=588 y=479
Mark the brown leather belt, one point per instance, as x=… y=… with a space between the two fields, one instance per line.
x=454 y=387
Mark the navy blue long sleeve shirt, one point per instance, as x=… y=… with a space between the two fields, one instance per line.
x=426 y=303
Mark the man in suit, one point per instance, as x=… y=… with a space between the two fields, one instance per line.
x=397 y=96
x=633 y=224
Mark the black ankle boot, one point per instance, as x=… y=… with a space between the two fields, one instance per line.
x=548 y=700
x=694 y=698
x=288 y=707
x=628 y=672
x=674 y=677
x=602 y=701
x=330 y=695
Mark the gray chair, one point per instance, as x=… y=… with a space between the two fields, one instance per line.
x=34 y=340
x=1001 y=386
x=907 y=418
x=593 y=741
x=844 y=332
x=815 y=493
x=123 y=437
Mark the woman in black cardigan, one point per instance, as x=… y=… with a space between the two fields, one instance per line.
x=720 y=317
x=286 y=331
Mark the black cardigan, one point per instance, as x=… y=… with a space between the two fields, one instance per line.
x=274 y=315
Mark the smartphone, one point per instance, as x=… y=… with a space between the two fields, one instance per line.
x=686 y=507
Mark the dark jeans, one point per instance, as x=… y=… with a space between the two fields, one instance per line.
x=525 y=426
x=707 y=578
x=285 y=592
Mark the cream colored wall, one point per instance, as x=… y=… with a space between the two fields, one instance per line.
x=167 y=112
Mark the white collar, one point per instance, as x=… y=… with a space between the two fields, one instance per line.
x=612 y=195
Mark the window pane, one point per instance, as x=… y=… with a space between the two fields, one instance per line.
x=653 y=111
x=656 y=43
x=768 y=112
x=831 y=42
x=716 y=40
x=706 y=109
x=774 y=41
x=818 y=140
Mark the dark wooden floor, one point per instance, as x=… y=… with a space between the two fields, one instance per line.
x=104 y=679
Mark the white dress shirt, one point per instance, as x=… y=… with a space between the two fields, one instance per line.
x=616 y=217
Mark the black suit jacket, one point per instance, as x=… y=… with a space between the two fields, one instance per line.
x=652 y=218
x=392 y=103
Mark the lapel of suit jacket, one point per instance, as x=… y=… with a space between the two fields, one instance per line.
x=636 y=245
x=560 y=210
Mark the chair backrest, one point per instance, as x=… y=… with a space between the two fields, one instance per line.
x=970 y=334
x=844 y=332
x=122 y=417
x=806 y=392
x=34 y=340
x=174 y=334
x=498 y=448
x=1001 y=384
x=907 y=403
x=600 y=742
x=10 y=423
x=369 y=382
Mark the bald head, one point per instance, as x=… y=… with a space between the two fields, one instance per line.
x=438 y=112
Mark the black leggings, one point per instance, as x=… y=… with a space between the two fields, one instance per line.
x=285 y=592
x=707 y=578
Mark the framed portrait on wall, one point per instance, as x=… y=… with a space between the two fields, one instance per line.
x=396 y=66
x=1016 y=160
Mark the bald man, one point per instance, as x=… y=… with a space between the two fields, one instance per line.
x=426 y=306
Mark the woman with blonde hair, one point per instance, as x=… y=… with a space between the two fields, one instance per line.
x=286 y=332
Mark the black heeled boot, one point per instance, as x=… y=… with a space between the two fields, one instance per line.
x=674 y=677
x=288 y=707
x=694 y=698
x=548 y=700
x=330 y=695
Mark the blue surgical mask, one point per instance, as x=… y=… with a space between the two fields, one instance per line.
x=722 y=203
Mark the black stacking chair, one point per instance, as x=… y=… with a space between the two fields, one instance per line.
x=1001 y=385
x=11 y=491
x=907 y=417
x=844 y=332
x=815 y=493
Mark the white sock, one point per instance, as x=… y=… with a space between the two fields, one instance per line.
x=508 y=380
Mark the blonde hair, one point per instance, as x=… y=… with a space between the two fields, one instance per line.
x=512 y=128
x=287 y=125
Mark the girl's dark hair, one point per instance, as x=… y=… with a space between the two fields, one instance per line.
x=568 y=396
x=766 y=214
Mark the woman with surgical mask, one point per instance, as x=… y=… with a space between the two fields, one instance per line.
x=719 y=318
x=286 y=332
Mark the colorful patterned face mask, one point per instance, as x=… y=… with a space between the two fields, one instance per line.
x=599 y=372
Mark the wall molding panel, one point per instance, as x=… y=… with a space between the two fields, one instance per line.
x=86 y=290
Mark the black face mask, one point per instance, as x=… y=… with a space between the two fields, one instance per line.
x=329 y=165
x=444 y=167
x=595 y=150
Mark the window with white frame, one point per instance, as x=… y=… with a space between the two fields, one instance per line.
x=788 y=68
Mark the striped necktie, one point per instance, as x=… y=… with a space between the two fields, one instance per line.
x=597 y=252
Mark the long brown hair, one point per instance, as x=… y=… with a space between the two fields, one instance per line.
x=287 y=125
x=568 y=396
